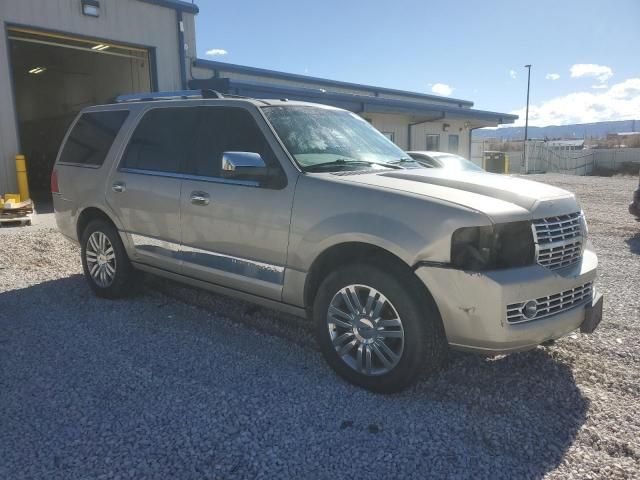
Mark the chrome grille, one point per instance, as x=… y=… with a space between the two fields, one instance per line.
x=552 y=304
x=559 y=240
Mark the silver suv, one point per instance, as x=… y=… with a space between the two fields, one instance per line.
x=309 y=209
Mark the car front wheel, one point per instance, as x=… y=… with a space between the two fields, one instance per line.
x=377 y=329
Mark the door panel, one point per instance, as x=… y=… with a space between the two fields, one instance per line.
x=234 y=234
x=145 y=189
x=149 y=210
x=239 y=239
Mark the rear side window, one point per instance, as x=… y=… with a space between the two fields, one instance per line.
x=162 y=141
x=92 y=137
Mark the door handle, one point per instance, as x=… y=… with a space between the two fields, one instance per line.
x=118 y=187
x=200 y=198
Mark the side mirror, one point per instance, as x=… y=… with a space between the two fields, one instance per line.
x=238 y=161
x=243 y=165
x=249 y=166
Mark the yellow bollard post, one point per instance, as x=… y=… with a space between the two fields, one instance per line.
x=21 y=173
x=506 y=163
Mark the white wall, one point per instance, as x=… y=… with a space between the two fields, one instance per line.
x=455 y=127
x=398 y=124
x=387 y=122
x=121 y=21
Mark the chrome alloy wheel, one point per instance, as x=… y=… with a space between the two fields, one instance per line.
x=365 y=329
x=101 y=259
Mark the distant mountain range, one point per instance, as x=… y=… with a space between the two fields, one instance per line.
x=579 y=130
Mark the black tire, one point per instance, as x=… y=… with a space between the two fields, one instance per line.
x=424 y=349
x=122 y=282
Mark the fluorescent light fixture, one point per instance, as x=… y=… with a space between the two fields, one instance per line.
x=37 y=70
x=100 y=47
x=91 y=8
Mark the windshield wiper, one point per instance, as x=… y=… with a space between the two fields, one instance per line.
x=341 y=162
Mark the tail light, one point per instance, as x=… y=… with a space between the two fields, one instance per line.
x=54 y=182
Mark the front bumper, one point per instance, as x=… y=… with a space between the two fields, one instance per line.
x=473 y=305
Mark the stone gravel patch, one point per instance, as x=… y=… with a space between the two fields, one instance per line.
x=179 y=383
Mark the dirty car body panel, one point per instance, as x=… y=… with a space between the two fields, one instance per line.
x=263 y=243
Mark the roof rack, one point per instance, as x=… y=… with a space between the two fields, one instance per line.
x=176 y=95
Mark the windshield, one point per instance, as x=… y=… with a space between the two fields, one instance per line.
x=456 y=162
x=325 y=139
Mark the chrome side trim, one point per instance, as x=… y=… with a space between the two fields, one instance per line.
x=209 y=259
x=227 y=263
x=80 y=165
x=184 y=176
x=155 y=246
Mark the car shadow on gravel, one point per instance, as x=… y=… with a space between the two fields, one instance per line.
x=522 y=410
x=515 y=416
x=634 y=243
x=525 y=406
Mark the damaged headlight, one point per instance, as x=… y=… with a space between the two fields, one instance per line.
x=504 y=245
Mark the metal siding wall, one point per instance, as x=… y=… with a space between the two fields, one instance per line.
x=391 y=123
x=189 y=21
x=456 y=127
x=8 y=131
x=130 y=22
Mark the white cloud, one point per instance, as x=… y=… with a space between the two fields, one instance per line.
x=214 y=52
x=600 y=86
x=600 y=72
x=442 y=89
x=552 y=76
x=619 y=102
x=513 y=73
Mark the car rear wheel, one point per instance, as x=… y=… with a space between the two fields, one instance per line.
x=104 y=260
x=376 y=329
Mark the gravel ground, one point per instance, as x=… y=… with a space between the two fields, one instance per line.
x=179 y=383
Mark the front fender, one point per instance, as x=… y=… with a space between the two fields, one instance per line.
x=366 y=227
x=328 y=211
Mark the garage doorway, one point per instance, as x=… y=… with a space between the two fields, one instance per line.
x=54 y=77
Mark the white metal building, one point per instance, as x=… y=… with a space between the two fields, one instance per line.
x=58 y=56
x=414 y=121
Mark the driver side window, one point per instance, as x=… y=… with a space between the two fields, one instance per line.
x=225 y=129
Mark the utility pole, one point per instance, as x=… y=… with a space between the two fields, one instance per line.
x=526 y=121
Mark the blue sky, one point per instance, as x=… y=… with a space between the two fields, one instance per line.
x=586 y=65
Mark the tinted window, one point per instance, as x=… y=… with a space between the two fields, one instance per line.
x=163 y=140
x=222 y=130
x=92 y=136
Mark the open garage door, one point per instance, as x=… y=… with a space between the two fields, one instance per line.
x=54 y=77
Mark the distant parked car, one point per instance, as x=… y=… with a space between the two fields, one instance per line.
x=448 y=161
x=634 y=207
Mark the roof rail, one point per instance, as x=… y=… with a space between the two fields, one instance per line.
x=176 y=95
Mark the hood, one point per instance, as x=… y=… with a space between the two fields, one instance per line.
x=499 y=196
